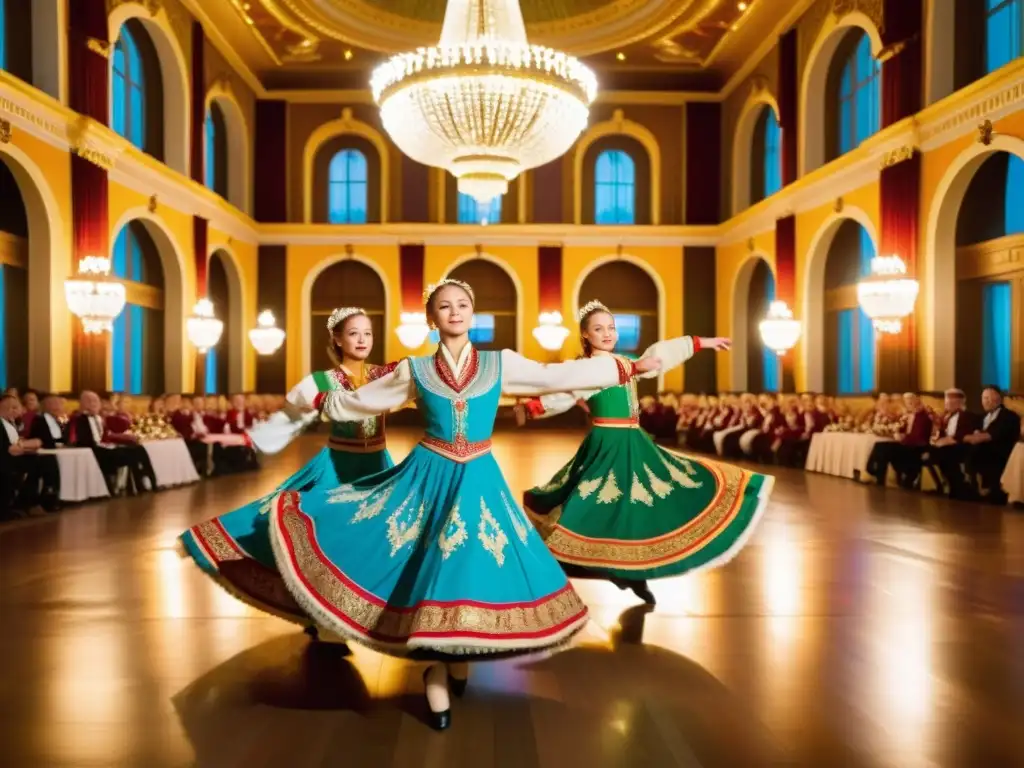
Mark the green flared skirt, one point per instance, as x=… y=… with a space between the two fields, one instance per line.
x=625 y=507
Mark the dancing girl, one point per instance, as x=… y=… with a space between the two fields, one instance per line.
x=234 y=549
x=434 y=559
x=626 y=509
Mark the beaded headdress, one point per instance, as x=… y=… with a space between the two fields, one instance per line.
x=340 y=315
x=435 y=287
x=590 y=306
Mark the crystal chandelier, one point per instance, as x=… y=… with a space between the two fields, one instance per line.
x=779 y=331
x=887 y=295
x=483 y=103
x=550 y=333
x=414 y=330
x=93 y=296
x=203 y=328
x=266 y=337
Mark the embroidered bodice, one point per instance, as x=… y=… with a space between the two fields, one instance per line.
x=338 y=379
x=463 y=408
x=621 y=402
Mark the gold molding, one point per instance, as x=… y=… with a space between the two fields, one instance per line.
x=838 y=205
x=897 y=156
x=102 y=47
x=6 y=132
x=152 y=7
x=873 y=9
x=985 y=132
x=891 y=50
x=153 y=204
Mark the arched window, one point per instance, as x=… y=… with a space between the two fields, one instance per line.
x=347 y=181
x=1015 y=196
x=858 y=115
x=136 y=344
x=996 y=321
x=850 y=351
x=473 y=212
x=1004 y=25
x=215 y=133
x=769 y=358
x=614 y=188
x=856 y=353
x=129 y=90
x=766 y=168
x=210 y=385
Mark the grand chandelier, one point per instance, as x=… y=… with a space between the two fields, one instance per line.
x=483 y=103
x=413 y=330
x=203 y=328
x=779 y=330
x=266 y=338
x=550 y=333
x=93 y=296
x=887 y=295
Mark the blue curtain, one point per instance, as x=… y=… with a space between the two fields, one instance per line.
x=1003 y=29
x=347 y=186
x=628 y=327
x=3 y=35
x=769 y=358
x=1015 y=196
x=772 y=154
x=997 y=305
x=3 y=307
x=865 y=331
x=127 y=342
x=860 y=86
x=614 y=188
x=128 y=97
x=845 y=357
x=211 y=151
x=211 y=371
x=472 y=212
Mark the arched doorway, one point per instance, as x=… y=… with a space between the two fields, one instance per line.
x=850 y=344
x=14 y=266
x=494 y=314
x=755 y=368
x=347 y=283
x=632 y=296
x=224 y=361
x=989 y=345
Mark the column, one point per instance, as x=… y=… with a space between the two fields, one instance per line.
x=700 y=290
x=785 y=289
x=902 y=60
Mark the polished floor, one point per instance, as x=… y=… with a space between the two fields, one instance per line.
x=860 y=627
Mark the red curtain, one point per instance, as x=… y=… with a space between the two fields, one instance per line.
x=703 y=162
x=198 y=102
x=200 y=240
x=788 y=104
x=87 y=70
x=901 y=74
x=410 y=267
x=271 y=161
x=785 y=285
x=549 y=272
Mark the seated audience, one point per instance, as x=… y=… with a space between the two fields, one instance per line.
x=192 y=428
x=50 y=425
x=948 y=448
x=113 y=451
x=903 y=453
x=29 y=409
x=27 y=478
x=757 y=443
x=727 y=441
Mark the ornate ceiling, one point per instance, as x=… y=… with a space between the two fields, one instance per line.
x=661 y=44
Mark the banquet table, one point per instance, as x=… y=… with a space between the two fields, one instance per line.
x=1013 y=475
x=172 y=463
x=80 y=475
x=844 y=454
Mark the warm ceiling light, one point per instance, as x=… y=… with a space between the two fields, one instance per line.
x=348 y=55
x=734 y=27
x=741 y=6
x=620 y=56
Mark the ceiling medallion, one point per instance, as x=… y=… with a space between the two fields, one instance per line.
x=483 y=103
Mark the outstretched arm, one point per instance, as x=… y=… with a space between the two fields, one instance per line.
x=390 y=391
x=675 y=352
x=546 y=406
x=520 y=376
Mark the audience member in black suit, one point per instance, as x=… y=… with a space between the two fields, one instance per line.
x=948 y=449
x=88 y=430
x=49 y=426
x=22 y=470
x=986 y=451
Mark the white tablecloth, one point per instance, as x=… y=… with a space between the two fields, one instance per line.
x=1013 y=475
x=844 y=454
x=171 y=462
x=80 y=475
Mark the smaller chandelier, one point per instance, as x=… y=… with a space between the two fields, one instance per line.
x=550 y=333
x=779 y=331
x=266 y=337
x=414 y=330
x=887 y=295
x=93 y=296
x=203 y=328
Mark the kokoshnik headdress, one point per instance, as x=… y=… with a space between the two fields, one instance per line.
x=590 y=306
x=435 y=287
x=340 y=315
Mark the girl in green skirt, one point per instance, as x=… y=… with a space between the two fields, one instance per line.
x=626 y=509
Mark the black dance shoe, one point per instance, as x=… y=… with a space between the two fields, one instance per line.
x=638 y=588
x=439 y=721
x=456 y=686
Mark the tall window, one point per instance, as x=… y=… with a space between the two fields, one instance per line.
x=472 y=212
x=997 y=312
x=859 y=95
x=3 y=34
x=856 y=342
x=347 y=184
x=1015 y=196
x=614 y=188
x=1003 y=27
x=215 y=157
x=127 y=344
x=210 y=385
x=481 y=330
x=128 y=97
x=628 y=327
x=211 y=150
x=771 y=135
x=769 y=358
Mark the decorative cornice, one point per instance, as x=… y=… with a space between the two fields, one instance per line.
x=898 y=155
x=152 y=6
x=873 y=9
x=6 y=132
x=991 y=98
x=102 y=47
x=94 y=142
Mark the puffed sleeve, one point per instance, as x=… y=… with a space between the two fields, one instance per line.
x=546 y=406
x=302 y=395
x=521 y=377
x=272 y=435
x=672 y=353
x=390 y=391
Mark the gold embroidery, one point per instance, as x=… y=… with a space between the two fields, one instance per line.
x=677 y=475
x=344 y=494
x=610 y=491
x=659 y=486
x=587 y=487
x=494 y=540
x=637 y=492
x=557 y=481
x=372 y=506
x=402 y=532
x=519 y=521
x=453 y=535
x=217 y=542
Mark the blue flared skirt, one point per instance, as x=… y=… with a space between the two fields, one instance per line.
x=234 y=549
x=431 y=558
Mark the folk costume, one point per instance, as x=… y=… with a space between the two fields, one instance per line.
x=434 y=558
x=234 y=549
x=627 y=509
